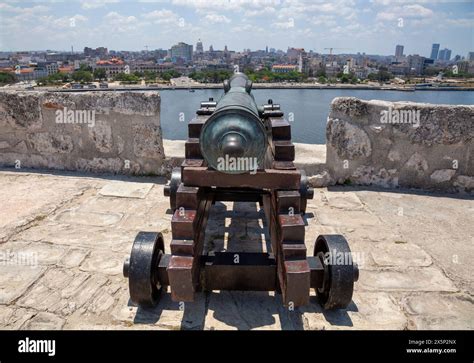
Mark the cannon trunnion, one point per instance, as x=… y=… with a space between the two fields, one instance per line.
x=237 y=151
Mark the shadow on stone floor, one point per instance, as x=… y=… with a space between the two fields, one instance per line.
x=420 y=192
x=239 y=310
x=160 y=180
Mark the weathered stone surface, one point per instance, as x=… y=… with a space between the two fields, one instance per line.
x=417 y=154
x=102 y=165
x=351 y=218
x=344 y=200
x=14 y=318
x=167 y=314
x=101 y=135
x=73 y=257
x=349 y=140
x=400 y=254
x=73 y=216
x=374 y=311
x=80 y=236
x=20 y=110
x=350 y=106
x=44 y=321
x=33 y=135
x=417 y=163
x=401 y=286
x=103 y=262
x=41 y=297
x=442 y=175
x=366 y=175
x=394 y=155
x=419 y=279
x=49 y=143
x=439 y=311
x=16 y=279
x=320 y=180
x=147 y=142
x=465 y=183
x=126 y=190
x=32 y=254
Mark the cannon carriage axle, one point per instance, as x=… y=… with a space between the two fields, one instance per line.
x=235 y=127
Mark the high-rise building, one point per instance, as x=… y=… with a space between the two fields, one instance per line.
x=470 y=56
x=183 y=51
x=444 y=54
x=399 y=51
x=434 y=51
x=199 y=47
x=416 y=64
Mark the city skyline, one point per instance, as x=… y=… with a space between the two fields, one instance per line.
x=348 y=26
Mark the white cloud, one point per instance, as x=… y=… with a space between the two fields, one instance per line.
x=163 y=16
x=461 y=22
x=94 y=4
x=405 y=11
x=14 y=9
x=265 y=11
x=234 y=5
x=117 y=23
x=214 y=18
x=324 y=20
x=290 y=23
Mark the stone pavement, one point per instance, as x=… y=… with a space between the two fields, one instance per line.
x=64 y=237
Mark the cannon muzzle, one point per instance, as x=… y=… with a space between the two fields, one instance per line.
x=234 y=140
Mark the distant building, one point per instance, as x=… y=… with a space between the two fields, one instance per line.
x=112 y=66
x=293 y=54
x=50 y=67
x=466 y=67
x=100 y=52
x=66 y=69
x=399 y=51
x=181 y=51
x=150 y=67
x=199 y=47
x=434 y=51
x=26 y=73
x=284 y=68
x=470 y=56
x=416 y=64
x=444 y=54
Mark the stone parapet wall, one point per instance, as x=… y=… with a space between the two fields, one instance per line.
x=119 y=132
x=401 y=144
x=113 y=132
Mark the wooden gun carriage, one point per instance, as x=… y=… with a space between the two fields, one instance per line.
x=237 y=151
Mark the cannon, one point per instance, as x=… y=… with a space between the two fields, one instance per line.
x=238 y=151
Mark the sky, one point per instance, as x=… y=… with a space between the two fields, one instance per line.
x=348 y=26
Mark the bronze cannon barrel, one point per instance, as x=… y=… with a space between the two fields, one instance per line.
x=234 y=140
